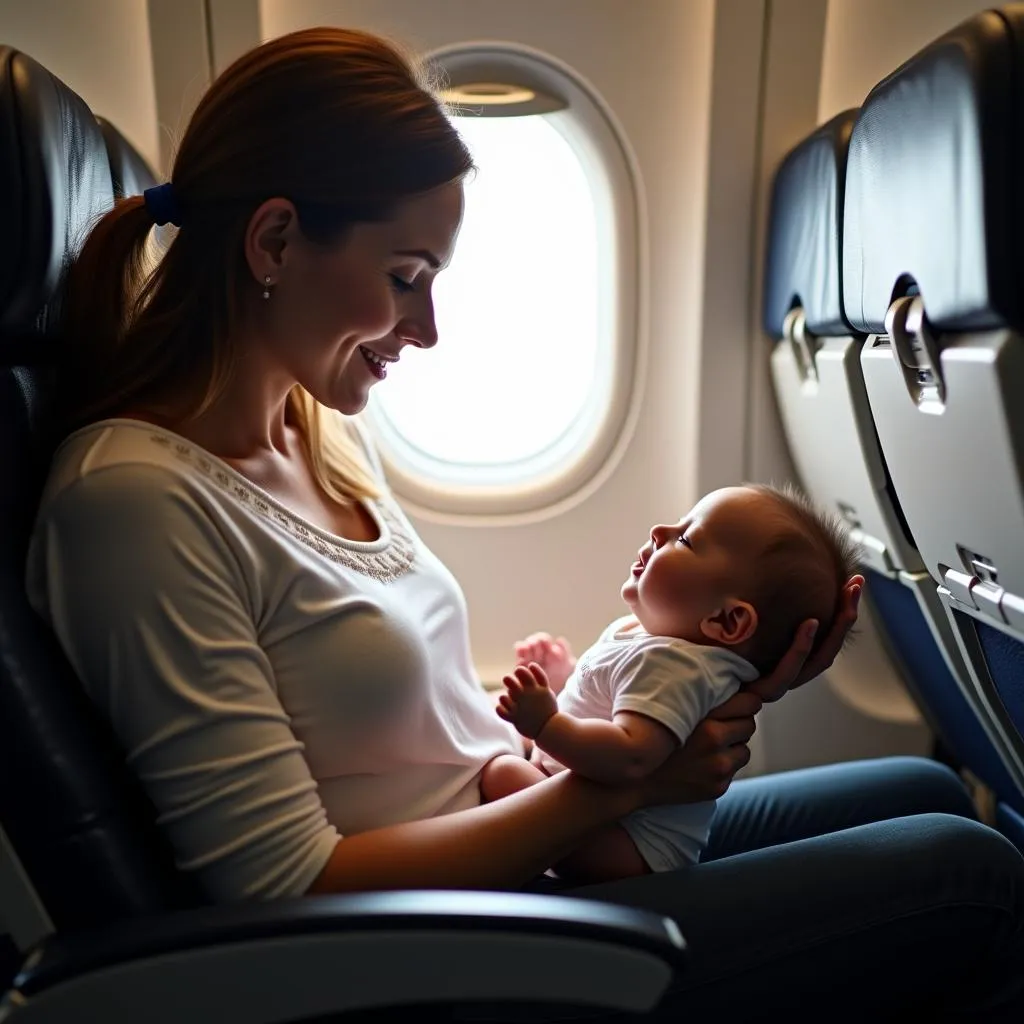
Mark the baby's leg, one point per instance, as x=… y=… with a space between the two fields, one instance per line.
x=507 y=774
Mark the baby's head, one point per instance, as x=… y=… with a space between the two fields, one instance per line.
x=742 y=570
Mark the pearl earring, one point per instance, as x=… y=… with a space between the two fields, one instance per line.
x=266 y=287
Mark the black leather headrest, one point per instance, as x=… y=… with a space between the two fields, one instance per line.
x=803 y=259
x=78 y=819
x=129 y=171
x=933 y=182
x=54 y=184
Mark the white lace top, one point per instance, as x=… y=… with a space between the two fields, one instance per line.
x=274 y=686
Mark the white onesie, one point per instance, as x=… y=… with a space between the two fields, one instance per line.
x=676 y=683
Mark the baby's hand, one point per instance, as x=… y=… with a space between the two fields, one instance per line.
x=555 y=657
x=528 y=702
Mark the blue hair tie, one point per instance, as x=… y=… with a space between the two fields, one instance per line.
x=162 y=204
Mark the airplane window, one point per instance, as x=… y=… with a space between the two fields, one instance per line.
x=511 y=410
x=516 y=310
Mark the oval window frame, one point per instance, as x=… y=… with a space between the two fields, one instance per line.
x=575 y=464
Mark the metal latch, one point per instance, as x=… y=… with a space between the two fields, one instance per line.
x=979 y=565
x=803 y=345
x=916 y=352
x=979 y=588
x=960 y=585
x=986 y=593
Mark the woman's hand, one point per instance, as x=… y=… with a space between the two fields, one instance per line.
x=796 y=668
x=704 y=766
x=716 y=750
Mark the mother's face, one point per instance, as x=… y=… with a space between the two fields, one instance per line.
x=339 y=315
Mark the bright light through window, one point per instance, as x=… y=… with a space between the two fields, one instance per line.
x=517 y=309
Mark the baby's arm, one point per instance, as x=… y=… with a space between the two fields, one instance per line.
x=623 y=750
x=628 y=748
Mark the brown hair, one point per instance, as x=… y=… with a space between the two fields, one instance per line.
x=338 y=121
x=802 y=570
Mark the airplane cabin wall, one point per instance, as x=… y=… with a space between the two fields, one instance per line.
x=865 y=40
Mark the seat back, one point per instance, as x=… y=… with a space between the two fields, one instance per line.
x=818 y=384
x=71 y=814
x=823 y=403
x=931 y=274
x=130 y=173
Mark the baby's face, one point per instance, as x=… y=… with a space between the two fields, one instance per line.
x=685 y=572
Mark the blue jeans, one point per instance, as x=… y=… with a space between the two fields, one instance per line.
x=856 y=891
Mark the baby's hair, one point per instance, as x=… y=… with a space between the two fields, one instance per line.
x=803 y=569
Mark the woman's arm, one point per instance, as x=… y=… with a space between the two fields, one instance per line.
x=153 y=609
x=515 y=839
x=505 y=843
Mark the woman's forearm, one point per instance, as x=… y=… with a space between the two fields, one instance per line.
x=505 y=843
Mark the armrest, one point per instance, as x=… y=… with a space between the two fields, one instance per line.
x=297 y=959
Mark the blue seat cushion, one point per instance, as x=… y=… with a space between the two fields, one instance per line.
x=930 y=679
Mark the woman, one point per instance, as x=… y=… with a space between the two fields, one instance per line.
x=287 y=665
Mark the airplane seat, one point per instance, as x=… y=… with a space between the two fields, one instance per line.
x=819 y=384
x=104 y=925
x=129 y=169
x=89 y=857
x=931 y=274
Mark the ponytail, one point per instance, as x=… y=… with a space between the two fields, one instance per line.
x=95 y=312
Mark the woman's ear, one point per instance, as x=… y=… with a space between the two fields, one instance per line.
x=267 y=237
x=733 y=623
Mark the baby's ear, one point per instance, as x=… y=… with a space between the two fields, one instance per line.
x=733 y=623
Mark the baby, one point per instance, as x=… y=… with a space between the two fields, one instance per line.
x=715 y=602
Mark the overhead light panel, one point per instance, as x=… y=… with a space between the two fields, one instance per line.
x=498 y=99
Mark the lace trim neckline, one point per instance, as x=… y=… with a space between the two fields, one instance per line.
x=386 y=558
